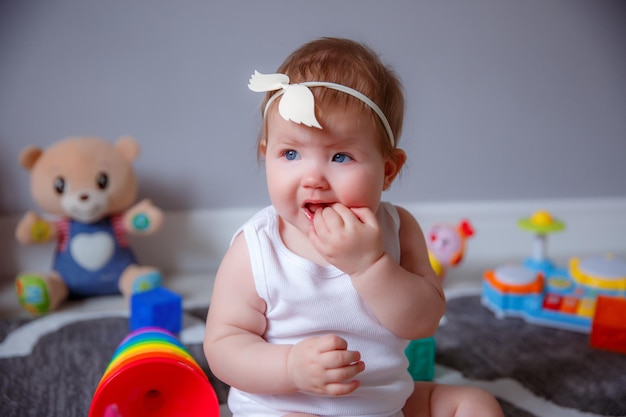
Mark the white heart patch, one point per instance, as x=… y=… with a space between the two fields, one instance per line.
x=92 y=250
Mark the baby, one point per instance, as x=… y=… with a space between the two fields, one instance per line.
x=320 y=293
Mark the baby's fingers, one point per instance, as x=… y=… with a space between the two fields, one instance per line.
x=327 y=221
x=339 y=358
x=341 y=388
x=331 y=342
x=365 y=215
x=345 y=373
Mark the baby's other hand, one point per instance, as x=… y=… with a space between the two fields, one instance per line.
x=324 y=365
x=348 y=238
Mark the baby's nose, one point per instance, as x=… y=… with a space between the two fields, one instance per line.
x=315 y=177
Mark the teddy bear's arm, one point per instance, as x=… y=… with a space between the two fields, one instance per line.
x=143 y=218
x=33 y=229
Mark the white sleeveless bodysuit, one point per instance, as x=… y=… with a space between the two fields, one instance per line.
x=305 y=300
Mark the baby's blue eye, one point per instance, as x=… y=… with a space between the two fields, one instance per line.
x=341 y=157
x=291 y=155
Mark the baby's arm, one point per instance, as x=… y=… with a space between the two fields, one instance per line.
x=427 y=298
x=407 y=298
x=239 y=356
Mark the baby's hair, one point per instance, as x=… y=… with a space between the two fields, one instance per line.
x=354 y=65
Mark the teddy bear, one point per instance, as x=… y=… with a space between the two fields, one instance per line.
x=89 y=186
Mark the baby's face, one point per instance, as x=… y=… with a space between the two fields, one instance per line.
x=309 y=168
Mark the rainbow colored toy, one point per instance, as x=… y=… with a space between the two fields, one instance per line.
x=151 y=374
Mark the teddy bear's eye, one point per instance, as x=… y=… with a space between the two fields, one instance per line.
x=103 y=180
x=59 y=185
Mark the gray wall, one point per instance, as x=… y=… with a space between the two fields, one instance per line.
x=506 y=99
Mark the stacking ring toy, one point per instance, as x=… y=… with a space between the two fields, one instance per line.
x=151 y=374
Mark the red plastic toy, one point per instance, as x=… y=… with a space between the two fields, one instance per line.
x=608 y=330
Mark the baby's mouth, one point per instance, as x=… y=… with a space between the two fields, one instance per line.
x=310 y=209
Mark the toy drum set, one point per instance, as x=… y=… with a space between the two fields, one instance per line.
x=152 y=374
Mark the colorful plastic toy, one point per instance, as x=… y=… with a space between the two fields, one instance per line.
x=158 y=307
x=541 y=223
x=152 y=374
x=421 y=356
x=541 y=292
x=608 y=330
x=446 y=245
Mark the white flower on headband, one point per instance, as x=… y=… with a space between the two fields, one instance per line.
x=297 y=103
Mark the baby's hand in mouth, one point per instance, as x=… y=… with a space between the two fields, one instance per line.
x=311 y=208
x=349 y=238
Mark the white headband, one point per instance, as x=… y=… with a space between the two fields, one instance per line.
x=298 y=104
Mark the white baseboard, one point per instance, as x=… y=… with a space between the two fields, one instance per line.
x=195 y=241
x=593 y=226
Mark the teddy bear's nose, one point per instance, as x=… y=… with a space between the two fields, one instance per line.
x=84 y=197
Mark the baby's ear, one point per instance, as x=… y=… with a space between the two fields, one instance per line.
x=393 y=166
x=29 y=156
x=262 y=149
x=128 y=147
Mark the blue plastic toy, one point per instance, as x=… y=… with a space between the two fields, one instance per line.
x=158 y=307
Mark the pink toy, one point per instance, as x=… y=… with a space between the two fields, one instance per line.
x=446 y=245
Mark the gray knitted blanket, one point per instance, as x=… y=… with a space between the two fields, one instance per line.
x=51 y=365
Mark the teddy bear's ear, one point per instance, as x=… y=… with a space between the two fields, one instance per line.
x=128 y=147
x=29 y=156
